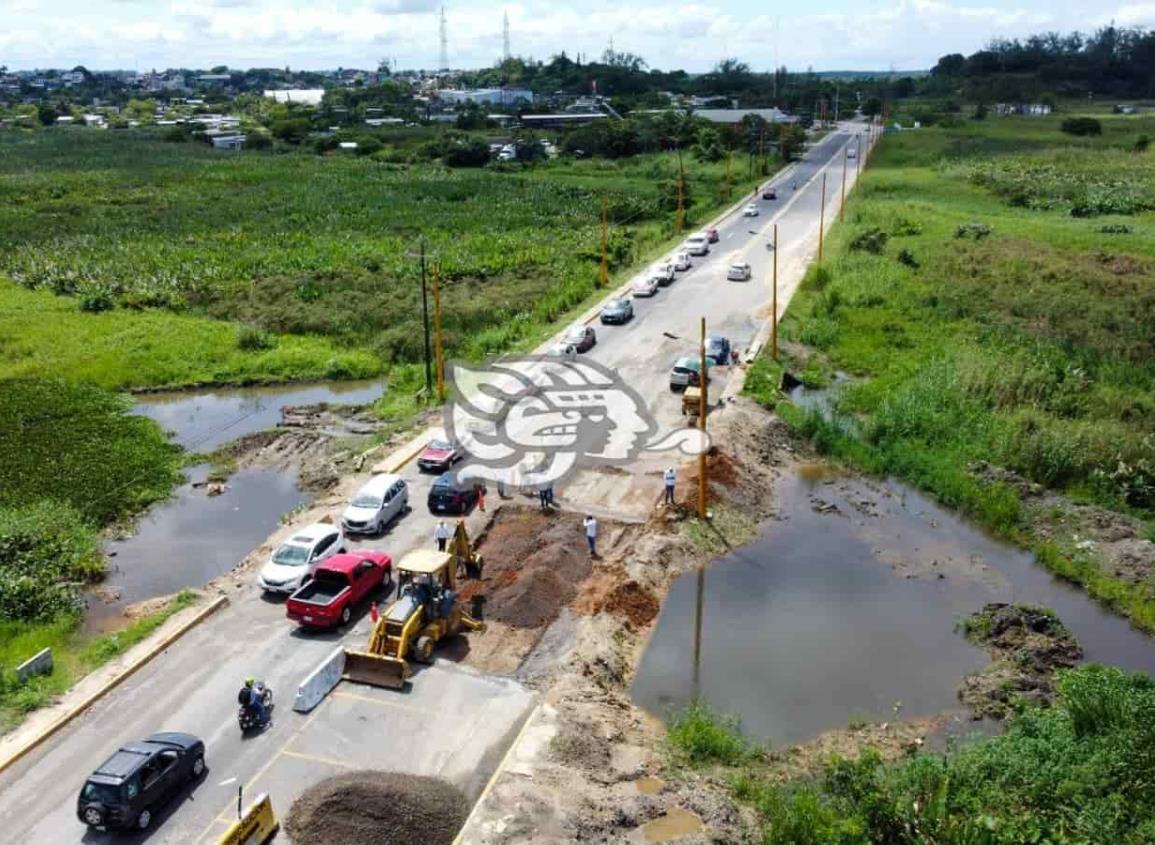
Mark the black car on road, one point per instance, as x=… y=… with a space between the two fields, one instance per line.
x=449 y=494
x=718 y=349
x=128 y=788
x=617 y=311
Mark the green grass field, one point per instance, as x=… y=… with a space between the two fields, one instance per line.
x=993 y=293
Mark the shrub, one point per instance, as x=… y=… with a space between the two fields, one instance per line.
x=905 y=256
x=975 y=231
x=254 y=339
x=1082 y=126
x=699 y=736
x=96 y=300
x=872 y=241
x=45 y=550
x=1141 y=144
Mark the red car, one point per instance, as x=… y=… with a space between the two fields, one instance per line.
x=339 y=584
x=438 y=456
x=712 y=235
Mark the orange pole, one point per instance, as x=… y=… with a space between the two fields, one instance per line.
x=821 y=217
x=774 y=301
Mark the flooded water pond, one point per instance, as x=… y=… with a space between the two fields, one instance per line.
x=193 y=538
x=846 y=605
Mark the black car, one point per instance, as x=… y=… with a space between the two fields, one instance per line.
x=451 y=495
x=769 y=193
x=617 y=311
x=128 y=788
x=718 y=349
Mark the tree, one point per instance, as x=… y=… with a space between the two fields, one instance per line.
x=467 y=152
x=46 y=114
x=950 y=66
x=291 y=130
x=872 y=107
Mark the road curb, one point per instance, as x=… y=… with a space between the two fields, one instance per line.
x=112 y=683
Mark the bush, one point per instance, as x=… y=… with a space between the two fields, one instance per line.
x=96 y=300
x=872 y=241
x=1082 y=126
x=974 y=231
x=1141 y=144
x=46 y=549
x=698 y=736
x=254 y=339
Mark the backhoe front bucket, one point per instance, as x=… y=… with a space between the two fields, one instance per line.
x=375 y=670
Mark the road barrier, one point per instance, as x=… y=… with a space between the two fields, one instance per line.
x=255 y=826
x=320 y=682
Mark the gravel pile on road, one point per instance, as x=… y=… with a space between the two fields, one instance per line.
x=372 y=807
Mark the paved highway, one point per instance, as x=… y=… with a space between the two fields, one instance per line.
x=452 y=722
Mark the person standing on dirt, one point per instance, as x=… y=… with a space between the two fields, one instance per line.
x=671 y=478
x=441 y=535
x=591 y=526
x=543 y=495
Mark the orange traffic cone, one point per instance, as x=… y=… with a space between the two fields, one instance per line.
x=373 y=612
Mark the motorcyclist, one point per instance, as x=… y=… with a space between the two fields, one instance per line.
x=256 y=702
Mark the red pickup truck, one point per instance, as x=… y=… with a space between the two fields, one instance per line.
x=338 y=584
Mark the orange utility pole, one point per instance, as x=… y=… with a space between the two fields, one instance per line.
x=604 y=269
x=821 y=217
x=437 y=332
x=842 y=201
x=705 y=385
x=681 y=219
x=774 y=301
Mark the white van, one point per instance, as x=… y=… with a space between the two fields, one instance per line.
x=383 y=499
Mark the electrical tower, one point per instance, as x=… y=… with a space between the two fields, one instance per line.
x=505 y=36
x=444 y=42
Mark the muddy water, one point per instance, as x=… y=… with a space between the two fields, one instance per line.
x=192 y=538
x=846 y=606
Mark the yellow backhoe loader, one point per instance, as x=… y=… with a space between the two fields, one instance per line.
x=427 y=610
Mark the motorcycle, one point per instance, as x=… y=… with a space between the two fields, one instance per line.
x=247 y=717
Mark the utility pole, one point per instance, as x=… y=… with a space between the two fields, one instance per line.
x=729 y=157
x=425 y=324
x=437 y=332
x=681 y=218
x=604 y=270
x=821 y=218
x=774 y=301
x=842 y=201
x=705 y=385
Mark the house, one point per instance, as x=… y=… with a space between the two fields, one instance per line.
x=95 y=120
x=556 y=121
x=488 y=96
x=732 y=117
x=228 y=142
x=304 y=96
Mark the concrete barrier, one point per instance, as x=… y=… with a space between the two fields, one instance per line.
x=40 y=664
x=255 y=826
x=320 y=682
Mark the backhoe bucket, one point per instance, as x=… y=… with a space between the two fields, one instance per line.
x=375 y=670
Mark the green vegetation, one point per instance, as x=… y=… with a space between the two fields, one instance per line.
x=995 y=323
x=1075 y=773
x=74 y=654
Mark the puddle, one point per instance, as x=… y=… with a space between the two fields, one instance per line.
x=201 y=421
x=671 y=825
x=649 y=785
x=846 y=606
x=192 y=538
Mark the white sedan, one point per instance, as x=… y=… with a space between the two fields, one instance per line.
x=645 y=286
x=680 y=260
x=739 y=272
x=663 y=271
x=750 y=210
x=294 y=561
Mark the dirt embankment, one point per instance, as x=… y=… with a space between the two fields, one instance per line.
x=1027 y=645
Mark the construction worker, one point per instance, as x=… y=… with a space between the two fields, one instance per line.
x=671 y=478
x=591 y=526
x=441 y=535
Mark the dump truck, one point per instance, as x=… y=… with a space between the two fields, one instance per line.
x=427 y=610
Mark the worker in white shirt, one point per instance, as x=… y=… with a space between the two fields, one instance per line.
x=671 y=477
x=441 y=535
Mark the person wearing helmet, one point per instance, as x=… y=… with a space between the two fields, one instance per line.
x=256 y=698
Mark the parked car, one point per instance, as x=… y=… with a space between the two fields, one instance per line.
x=712 y=235
x=681 y=261
x=293 y=562
x=381 y=500
x=685 y=373
x=617 y=311
x=128 y=788
x=645 y=286
x=769 y=193
x=449 y=494
x=561 y=349
x=582 y=337
x=663 y=272
x=697 y=244
x=338 y=586
x=739 y=272
x=439 y=455
x=751 y=210
x=718 y=349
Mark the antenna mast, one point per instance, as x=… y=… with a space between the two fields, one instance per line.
x=444 y=42
x=505 y=36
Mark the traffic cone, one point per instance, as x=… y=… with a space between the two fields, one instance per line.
x=373 y=612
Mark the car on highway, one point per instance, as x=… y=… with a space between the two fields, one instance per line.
x=769 y=193
x=382 y=499
x=581 y=336
x=438 y=455
x=712 y=235
x=681 y=261
x=697 y=244
x=293 y=562
x=449 y=494
x=619 y=310
x=664 y=272
x=128 y=788
x=718 y=349
x=337 y=587
x=739 y=271
x=645 y=286
x=685 y=371
x=852 y=153
x=751 y=210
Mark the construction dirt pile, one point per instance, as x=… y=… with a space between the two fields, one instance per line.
x=372 y=807
x=1027 y=645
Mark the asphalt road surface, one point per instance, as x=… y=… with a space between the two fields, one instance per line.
x=451 y=721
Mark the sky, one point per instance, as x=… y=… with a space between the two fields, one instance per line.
x=694 y=35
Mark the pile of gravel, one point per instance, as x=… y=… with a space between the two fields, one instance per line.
x=372 y=807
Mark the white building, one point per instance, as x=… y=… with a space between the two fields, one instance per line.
x=303 y=96
x=488 y=96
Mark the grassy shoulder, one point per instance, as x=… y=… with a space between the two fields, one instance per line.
x=74 y=655
x=991 y=297
x=1076 y=772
